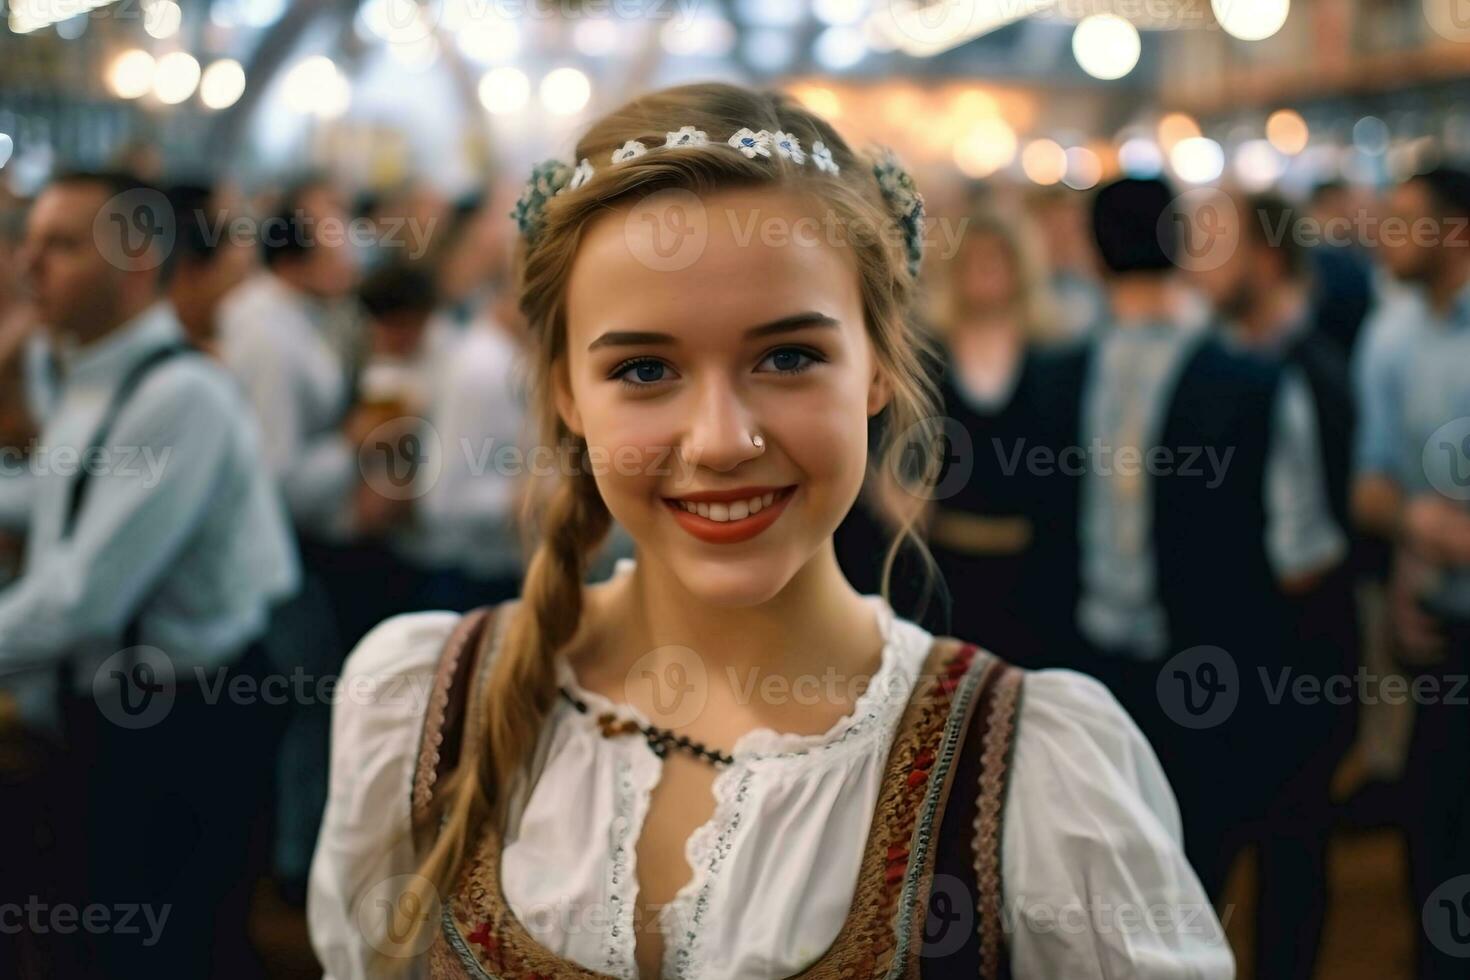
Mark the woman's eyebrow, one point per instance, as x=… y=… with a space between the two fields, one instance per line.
x=641 y=338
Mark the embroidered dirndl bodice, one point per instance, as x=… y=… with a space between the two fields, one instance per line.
x=928 y=896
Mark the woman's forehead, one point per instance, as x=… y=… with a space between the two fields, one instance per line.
x=709 y=267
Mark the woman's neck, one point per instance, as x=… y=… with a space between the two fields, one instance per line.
x=817 y=630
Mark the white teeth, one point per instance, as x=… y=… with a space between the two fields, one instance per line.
x=736 y=510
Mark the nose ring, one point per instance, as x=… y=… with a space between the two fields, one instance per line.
x=758 y=440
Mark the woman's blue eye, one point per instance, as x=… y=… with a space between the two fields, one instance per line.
x=647 y=372
x=644 y=373
x=791 y=360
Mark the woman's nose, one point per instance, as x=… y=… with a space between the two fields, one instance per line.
x=720 y=432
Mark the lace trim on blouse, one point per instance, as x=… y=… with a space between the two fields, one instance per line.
x=885 y=695
x=875 y=715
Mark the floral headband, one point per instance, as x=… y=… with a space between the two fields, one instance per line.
x=550 y=177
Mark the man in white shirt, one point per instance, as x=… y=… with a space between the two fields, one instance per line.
x=156 y=547
x=277 y=337
x=274 y=338
x=461 y=541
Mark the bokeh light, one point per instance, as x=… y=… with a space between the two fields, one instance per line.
x=1044 y=162
x=1106 y=46
x=131 y=74
x=223 y=84
x=176 y=78
x=1287 y=131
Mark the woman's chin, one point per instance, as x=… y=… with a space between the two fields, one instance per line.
x=733 y=582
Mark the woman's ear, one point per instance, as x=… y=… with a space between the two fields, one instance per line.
x=566 y=403
x=880 y=392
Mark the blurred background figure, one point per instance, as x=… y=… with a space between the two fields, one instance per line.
x=1342 y=273
x=17 y=426
x=1061 y=215
x=1413 y=470
x=464 y=540
x=398 y=302
x=1183 y=427
x=172 y=537
x=280 y=334
x=1268 y=303
x=1000 y=308
x=210 y=260
x=398 y=223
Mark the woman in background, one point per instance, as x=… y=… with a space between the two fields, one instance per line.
x=997 y=310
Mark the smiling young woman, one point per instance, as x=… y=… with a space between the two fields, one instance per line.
x=724 y=761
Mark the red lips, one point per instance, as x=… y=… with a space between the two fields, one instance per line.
x=730 y=532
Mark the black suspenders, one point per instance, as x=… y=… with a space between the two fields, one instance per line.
x=77 y=490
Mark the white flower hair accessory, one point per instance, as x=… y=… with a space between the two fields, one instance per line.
x=582 y=174
x=629 y=151
x=752 y=144
x=822 y=157
x=904 y=202
x=550 y=177
x=789 y=147
x=686 y=136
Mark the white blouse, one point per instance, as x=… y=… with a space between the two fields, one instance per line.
x=1095 y=882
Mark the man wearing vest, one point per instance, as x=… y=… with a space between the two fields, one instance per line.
x=1265 y=297
x=156 y=547
x=1183 y=500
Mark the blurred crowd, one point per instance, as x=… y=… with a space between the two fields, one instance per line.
x=1190 y=448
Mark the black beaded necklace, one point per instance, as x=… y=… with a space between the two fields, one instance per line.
x=659 y=739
